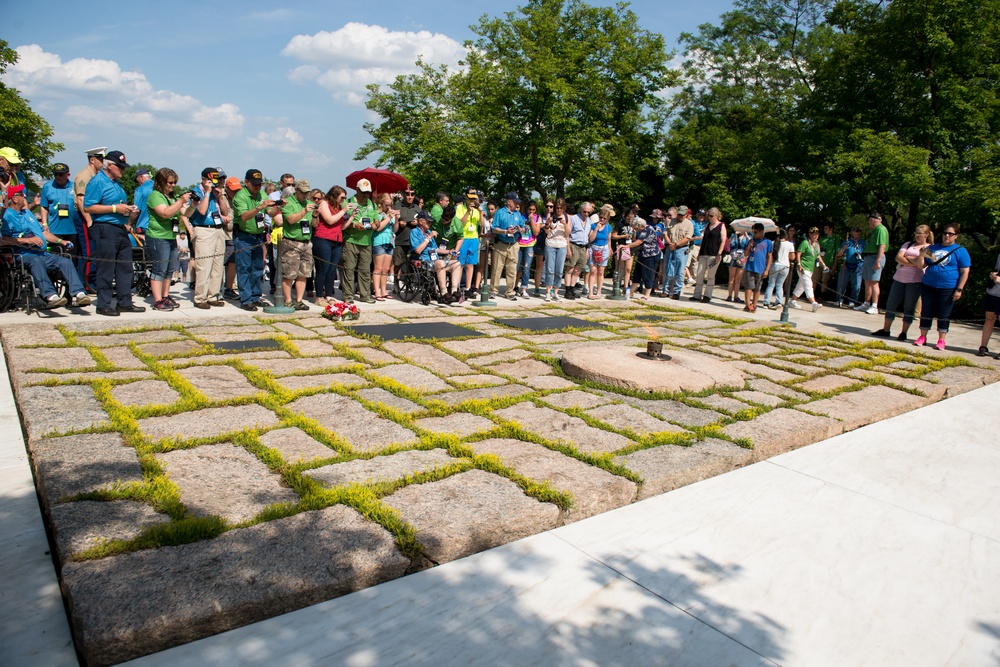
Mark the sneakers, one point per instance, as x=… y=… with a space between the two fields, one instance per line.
x=162 y=305
x=773 y=306
x=245 y=306
x=901 y=336
x=458 y=297
x=939 y=345
x=55 y=301
x=173 y=301
x=230 y=293
x=729 y=298
x=816 y=305
x=873 y=310
x=919 y=342
x=881 y=333
x=794 y=304
x=512 y=296
x=299 y=305
x=737 y=299
x=863 y=306
x=548 y=297
x=81 y=299
x=706 y=299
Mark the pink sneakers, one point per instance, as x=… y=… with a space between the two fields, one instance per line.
x=920 y=341
x=940 y=344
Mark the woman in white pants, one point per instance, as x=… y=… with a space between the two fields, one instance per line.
x=779 y=271
x=712 y=242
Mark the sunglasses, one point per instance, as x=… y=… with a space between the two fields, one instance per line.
x=949 y=234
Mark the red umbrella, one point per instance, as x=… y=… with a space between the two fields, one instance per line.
x=382 y=180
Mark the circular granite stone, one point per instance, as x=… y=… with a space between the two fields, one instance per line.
x=630 y=368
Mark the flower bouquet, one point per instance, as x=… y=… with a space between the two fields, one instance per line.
x=341 y=311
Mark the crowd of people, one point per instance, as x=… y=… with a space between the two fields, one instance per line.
x=231 y=229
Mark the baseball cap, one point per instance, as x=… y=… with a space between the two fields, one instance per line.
x=254 y=177
x=97 y=152
x=141 y=172
x=60 y=168
x=471 y=194
x=118 y=158
x=15 y=190
x=302 y=185
x=683 y=210
x=212 y=173
x=363 y=185
x=233 y=183
x=12 y=155
x=424 y=215
x=512 y=195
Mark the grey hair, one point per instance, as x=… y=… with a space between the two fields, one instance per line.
x=288 y=191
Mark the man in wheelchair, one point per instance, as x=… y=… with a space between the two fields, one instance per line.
x=22 y=231
x=424 y=247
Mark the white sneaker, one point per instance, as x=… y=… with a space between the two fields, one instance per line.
x=873 y=310
x=794 y=304
x=863 y=306
x=82 y=299
x=816 y=306
x=555 y=296
x=548 y=297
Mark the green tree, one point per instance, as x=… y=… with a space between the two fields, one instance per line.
x=23 y=129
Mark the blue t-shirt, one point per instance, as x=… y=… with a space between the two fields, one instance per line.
x=757 y=253
x=416 y=238
x=601 y=238
x=944 y=274
x=139 y=199
x=699 y=230
x=385 y=236
x=53 y=196
x=505 y=219
x=212 y=217
x=102 y=190
x=852 y=251
x=19 y=224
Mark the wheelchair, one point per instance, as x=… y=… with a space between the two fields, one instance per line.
x=17 y=287
x=417 y=278
x=140 y=273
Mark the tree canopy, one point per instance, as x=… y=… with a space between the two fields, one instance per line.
x=20 y=127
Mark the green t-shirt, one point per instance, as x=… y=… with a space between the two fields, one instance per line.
x=356 y=235
x=437 y=212
x=293 y=230
x=829 y=245
x=879 y=237
x=243 y=202
x=807 y=255
x=159 y=228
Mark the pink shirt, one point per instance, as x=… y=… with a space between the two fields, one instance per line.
x=905 y=273
x=333 y=232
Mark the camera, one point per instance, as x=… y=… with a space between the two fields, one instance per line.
x=194 y=195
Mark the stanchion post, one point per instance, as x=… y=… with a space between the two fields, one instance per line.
x=279 y=307
x=616 y=292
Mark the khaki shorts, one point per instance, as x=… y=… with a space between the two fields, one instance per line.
x=296 y=259
x=576 y=257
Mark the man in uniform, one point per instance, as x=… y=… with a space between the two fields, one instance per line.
x=95 y=162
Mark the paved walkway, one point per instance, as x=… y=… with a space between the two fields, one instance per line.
x=878 y=547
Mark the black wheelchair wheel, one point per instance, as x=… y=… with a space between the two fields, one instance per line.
x=425 y=298
x=408 y=283
x=8 y=286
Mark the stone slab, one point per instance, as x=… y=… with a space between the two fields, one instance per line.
x=594 y=490
x=122 y=357
x=86 y=523
x=112 y=376
x=482 y=394
x=672 y=411
x=871 y=404
x=827 y=383
x=51 y=358
x=767 y=372
x=412 y=377
x=296 y=446
x=476 y=379
x=18 y=335
x=208 y=423
x=294 y=330
x=461 y=424
x=841 y=361
x=59 y=409
x=296 y=382
x=960 y=379
x=756 y=349
x=381 y=468
x=218 y=383
x=554 y=425
x=599 y=334
x=281 y=367
x=181 y=347
x=759 y=398
x=504 y=356
x=373 y=355
x=244 y=342
x=619 y=366
x=523 y=368
x=209 y=330
x=935 y=392
x=627 y=417
x=139 y=337
x=758 y=384
x=145 y=392
x=576 y=399
x=429 y=357
x=362 y=429
x=724 y=403
x=782 y=430
x=470 y=512
x=669 y=467
x=313 y=348
x=76 y=464
x=480 y=345
x=224 y=480
x=549 y=382
x=542 y=339
x=387 y=398
x=144 y=602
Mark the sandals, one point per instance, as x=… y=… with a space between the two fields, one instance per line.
x=983 y=351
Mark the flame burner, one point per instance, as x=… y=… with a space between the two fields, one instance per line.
x=654 y=348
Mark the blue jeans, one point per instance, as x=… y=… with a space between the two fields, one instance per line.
x=524 y=259
x=249 y=264
x=555 y=260
x=776 y=284
x=849 y=284
x=327 y=258
x=40 y=265
x=162 y=256
x=673 y=270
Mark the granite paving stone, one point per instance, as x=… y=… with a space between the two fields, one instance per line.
x=504 y=356
x=523 y=368
x=75 y=464
x=827 y=383
x=41 y=378
x=180 y=347
x=51 y=358
x=296 y=446
x=208 y=422
x=145 y=392
x=841 y=361
x=362 y=429
x=672 y=411
x=270 y=337
x=540 y=339
x=626 y=417
x=280 y=367
x=296 y=382
x=598 y=334
x=759 y=398
x=782 y=430
x=871 y=404
x=314 y=348
x=429 y=357
x=470 y=512
x=413 y=377
x=935 y=392
x=460 y=423
x=480 y=345
x=483 y=393
x=767 y=372
x=477 y=379
x=143 y=602
x=139 y=337
x=594 y=490
x=960 y=379
x=576 y=399
x=209 y=332
x=330 y=331
x=218 y=383
x=242 y=357
x=59 y=409
x=548 y=382
x=759 y=349
x=374 y=356
x=724 y=403
x=778 y=390
x=905 y=366
x=87 y=523
x=668 y=467
x=224 y=480
x=294 y=330
x=18 y=335
x=122 y=357
x=382 y=468
x=555 y=425
x=389 y=399
x=802 y=369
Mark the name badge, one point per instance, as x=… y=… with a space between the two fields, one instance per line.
x=63 y=211
x=305 y=227
x=260 y=220
x=176 y=227
x=216 y=218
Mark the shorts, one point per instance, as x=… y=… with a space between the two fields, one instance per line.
x=753 y=281
x=598 y=255
x=296 y=259
x=868 y=269
x=576 y=257
x=162 y=257
x=400 y=254
x=991 y=303
x=468 y=254
x=382 y=249
x=230 y=256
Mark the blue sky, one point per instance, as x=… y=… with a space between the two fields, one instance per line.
x=280 y=89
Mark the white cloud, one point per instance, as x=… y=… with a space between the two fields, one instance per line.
x=346 y=60
x=109 y=96
x=281 y=139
